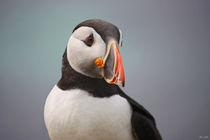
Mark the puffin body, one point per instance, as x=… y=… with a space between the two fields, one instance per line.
x=87 y=103
x=76 y=115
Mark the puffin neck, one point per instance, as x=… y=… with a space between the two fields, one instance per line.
x=71 y=79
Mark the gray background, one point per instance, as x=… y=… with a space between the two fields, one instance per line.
x=165 y=53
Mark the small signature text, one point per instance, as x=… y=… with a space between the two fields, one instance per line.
x=203 y=137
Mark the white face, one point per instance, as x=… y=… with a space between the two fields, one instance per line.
x=82 y=57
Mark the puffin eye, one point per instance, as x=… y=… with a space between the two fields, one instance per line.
x=89 y=40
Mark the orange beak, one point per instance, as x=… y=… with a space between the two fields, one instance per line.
x=112 y=64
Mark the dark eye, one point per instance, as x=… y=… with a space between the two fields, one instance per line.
x=89 y=40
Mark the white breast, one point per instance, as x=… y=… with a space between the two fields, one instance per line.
x=75 y=115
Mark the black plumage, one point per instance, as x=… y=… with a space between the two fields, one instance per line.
x=105 y=29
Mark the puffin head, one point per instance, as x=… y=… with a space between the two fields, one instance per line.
x=93 y=51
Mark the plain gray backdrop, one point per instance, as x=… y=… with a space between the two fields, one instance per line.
x=166 y=56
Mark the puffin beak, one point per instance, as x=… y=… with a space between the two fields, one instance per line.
x=112 y=64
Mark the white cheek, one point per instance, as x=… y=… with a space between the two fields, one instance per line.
x=82 y=58
x=74 y=52
x=99 y=47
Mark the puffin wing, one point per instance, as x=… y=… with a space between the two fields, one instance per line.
x=143 y=123
x=143 y=128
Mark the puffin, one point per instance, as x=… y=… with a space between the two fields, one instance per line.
x=87 y=102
